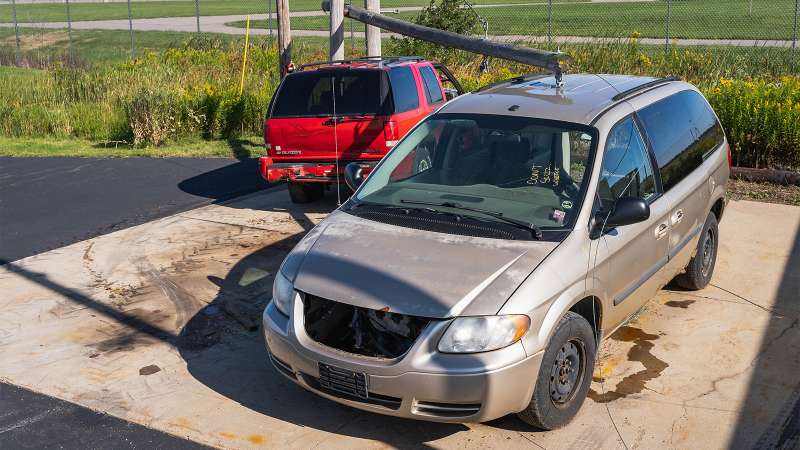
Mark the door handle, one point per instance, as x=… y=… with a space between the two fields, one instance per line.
x=677 y=217
x=661 y=230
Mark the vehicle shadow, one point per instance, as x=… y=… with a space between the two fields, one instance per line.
x=224 y=352
x=770 y=413
x=236 y=179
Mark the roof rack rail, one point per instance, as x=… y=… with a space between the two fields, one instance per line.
x=531 y=56
x=643 y=86
x=379 y=59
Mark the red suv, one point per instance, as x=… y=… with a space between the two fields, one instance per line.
x=326 y=115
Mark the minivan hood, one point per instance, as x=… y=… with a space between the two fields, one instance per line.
x=386 y=267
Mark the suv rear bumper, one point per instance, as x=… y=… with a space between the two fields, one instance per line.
x=306 y=171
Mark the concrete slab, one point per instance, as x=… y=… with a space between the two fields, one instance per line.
x=150 y=324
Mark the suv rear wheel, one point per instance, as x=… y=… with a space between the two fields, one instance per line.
x=701 y=267
x=564 y=376
x=305 y=192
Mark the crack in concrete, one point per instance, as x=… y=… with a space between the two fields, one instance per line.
x=764 y=349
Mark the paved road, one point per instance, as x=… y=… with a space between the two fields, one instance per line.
x=46 y=203
x=34 y=421
x=219 y=24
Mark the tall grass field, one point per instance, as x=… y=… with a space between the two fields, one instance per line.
x=192 y=91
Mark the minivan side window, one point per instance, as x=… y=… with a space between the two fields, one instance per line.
x=404 y=89
x=682 y=129
x=626 y=170
x=432 y=92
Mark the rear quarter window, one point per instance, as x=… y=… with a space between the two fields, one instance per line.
x=404 y=89
x=432 y=91
x=682 y=129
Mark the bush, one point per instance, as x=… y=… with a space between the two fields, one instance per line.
x=761 y=119
x=152 y=117
x=457 y=16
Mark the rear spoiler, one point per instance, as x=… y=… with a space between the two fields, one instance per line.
x=534 y=57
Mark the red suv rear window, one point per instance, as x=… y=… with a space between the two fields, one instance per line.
x=358 y=92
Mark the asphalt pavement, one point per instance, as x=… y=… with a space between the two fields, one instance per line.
x=47 y=203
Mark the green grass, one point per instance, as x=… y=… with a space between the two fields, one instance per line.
x=237 y=148
x=114 y=46
x=722 y=19
x=56 y=12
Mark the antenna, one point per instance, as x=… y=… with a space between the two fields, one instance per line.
x=336 y=140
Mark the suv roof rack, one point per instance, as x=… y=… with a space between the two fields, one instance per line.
x=381 y=60
x=643 y=86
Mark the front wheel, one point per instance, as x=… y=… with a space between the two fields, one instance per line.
x=701 y=267
x=564 y=376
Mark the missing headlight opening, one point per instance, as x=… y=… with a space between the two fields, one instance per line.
x=362 y=331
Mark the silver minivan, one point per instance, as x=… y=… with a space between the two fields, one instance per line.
x=475 y=270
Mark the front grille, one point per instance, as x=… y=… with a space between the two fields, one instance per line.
x=361 y=331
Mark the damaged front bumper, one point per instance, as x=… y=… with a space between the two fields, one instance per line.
x=421 y=384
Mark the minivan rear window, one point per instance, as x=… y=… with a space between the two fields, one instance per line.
x=682 y=128
x=358 y=92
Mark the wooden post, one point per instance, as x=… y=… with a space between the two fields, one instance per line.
x=373 y=33
x=284 y=37
x=336 y=51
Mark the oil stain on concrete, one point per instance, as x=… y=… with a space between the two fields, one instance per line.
x=640 y=352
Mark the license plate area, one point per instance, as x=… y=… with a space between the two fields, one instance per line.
x=343 y=380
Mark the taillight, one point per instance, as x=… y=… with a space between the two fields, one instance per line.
x=390 y=133
x=730 y=157
x=267 y=145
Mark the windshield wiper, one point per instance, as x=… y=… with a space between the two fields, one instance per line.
x=535 y=230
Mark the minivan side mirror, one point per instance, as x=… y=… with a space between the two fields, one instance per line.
x=626 y=211
x=353 y=175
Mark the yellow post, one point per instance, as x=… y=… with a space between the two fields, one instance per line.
x=244 y=61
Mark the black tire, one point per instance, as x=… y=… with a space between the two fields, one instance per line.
x=555 y=402
x=701 y=267
x=305 y=192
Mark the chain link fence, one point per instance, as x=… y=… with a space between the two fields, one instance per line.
x=38 y=33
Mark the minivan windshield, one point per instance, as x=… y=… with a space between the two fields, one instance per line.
x=357 y=93
x=529 y=170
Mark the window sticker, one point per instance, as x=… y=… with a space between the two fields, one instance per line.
x=544 y=175
x=558 y=216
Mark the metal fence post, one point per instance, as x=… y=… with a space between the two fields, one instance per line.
x=794 y=32
x=666 y=35
x=269 y=19
x=550 y=22
x=16 y=31
x=130 y=28
x=69 y=34
x=197 y=13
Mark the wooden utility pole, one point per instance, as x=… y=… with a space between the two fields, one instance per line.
x=337 y=30
x=373 y=33
x=284 y=37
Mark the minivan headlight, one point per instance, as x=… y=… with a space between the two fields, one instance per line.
x=282 y=293
x=484 y=333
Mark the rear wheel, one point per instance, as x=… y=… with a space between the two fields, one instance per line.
x=564 y=376
x=305 y=192
x=701 y=267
